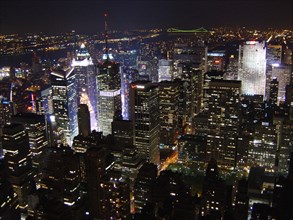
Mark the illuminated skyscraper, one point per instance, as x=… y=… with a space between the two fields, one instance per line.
x=36 y=129
x=146 y=118
x=16 y=152
x=85 y=82
x=263 y=148
x=223 y=113
x=252 y=68
x=60 y=107
x=283 y=74
x=6 y=111
x=109 y=97
x=109 y=89
x=115 y=196
x=169 y=104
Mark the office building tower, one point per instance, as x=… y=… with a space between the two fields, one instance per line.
x=62 y=183
x=208 y=76
x=283 y=74
x=252 y=68
x=129 y=164
x=165 y=72
x=232 y=68
x=288 y=56
x=85 y=82
x=192 y=150
x=146 y=118
x=84 y=120
x=273 y=56
x=128 y=76
x=242 y=199
x=15 y=143
x=6 y=111
x=169 y=109
x=109 y=95
x=122 y=131
x=223 y=113
x=192 y=80
x=285 y=146
x=115 y=196
x=35 y=127
x=263 y=148
x=144 y=184
x=60 y=107
x=95 y=159
x=8 y=198
x=274 y=88
x=216 y=61
x=215 y=195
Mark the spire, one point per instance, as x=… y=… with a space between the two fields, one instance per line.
x=106 y=36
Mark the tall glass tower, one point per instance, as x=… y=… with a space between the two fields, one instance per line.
x=85 y=82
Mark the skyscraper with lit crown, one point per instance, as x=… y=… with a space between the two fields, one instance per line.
x=109 y=89
x=85 y=82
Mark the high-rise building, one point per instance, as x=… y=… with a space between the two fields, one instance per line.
x=84 y=120
x=85 y=82
x=60 y=107
x=115 y=196
x=252 y=68
x=274 y=88
x=192 y=80
x=62 y=183
x=169 y=109
x=109 y=95
x=165 y=72
x=192 y=150
x=6 y=111
x=215 y=195
x=216 y=61
x=146 y=118
x=95 y=169
x=143 y=185
x=36 y=129
x=263 y=148
x=122 y=131
x=283 y=74
x=285 y=146
x=15 y=143
x=223 y=111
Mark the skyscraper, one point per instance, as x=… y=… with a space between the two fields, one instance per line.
x=223 y=111
x=36 y=129
x=145 y=108
x=252 y=68
x=16 y=152
x=84 y=126
x=169 y=109
x=60 y=107
x=109 y=94
x=85 y=82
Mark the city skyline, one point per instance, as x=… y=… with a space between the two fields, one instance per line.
x=86 y=16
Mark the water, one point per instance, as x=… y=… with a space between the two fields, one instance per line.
x=15 y=60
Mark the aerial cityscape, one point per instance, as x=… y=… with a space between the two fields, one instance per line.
x=146 y=110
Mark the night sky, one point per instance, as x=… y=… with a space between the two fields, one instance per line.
x=21 y=16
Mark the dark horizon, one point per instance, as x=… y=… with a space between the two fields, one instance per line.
x=52 y=16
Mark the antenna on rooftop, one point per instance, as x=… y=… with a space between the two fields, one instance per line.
x=106 y=36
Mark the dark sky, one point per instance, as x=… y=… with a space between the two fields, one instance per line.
x=20 y=16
